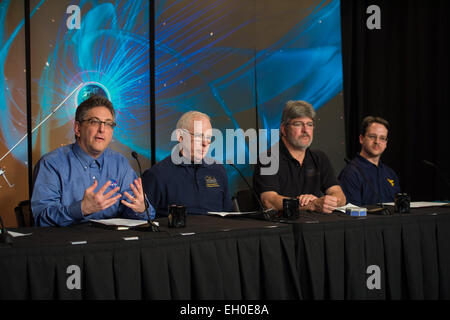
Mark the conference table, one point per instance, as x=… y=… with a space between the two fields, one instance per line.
x=317 y=256
x=211 y=258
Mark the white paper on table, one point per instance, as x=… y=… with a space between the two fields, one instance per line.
x=120 y=222
x=420 y=204
x=224 y=214
x=17 y=234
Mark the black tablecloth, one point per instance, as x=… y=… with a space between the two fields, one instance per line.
x=317 y=256
x=412 y=252
x=223 y=259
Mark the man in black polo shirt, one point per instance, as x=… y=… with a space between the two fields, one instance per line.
x=366 y=179
x=186 y=177
x=303 y=173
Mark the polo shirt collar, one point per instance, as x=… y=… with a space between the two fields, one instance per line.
x=86 y=160
x=286 y=154
x=188 y=162
x=366 y=162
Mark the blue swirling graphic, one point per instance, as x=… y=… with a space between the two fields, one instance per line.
x=111 y=50
x=197 y=68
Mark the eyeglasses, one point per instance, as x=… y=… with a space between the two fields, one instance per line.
x=95 y=122
x=201 y=137
x=301 y=125
x=374 y=137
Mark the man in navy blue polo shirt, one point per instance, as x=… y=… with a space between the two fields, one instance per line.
x=186 y=177
x=366 y=179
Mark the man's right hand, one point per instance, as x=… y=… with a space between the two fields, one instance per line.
x=93 y=202
x=325 y=204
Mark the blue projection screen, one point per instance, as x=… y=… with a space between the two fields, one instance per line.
x=240 y=61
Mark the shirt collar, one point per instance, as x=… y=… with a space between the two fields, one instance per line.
x=187 y=162
x=366 y=162
x=85 y=159
x=285 y=152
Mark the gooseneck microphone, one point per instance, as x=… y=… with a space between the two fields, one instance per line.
x=152 y=226
x=268 y=214
x=5 y=237
x=384 y=210
x=438 y=172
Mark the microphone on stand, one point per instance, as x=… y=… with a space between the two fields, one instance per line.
x=438 y=171
x=384 y=211
x=152 y=225
x=268 y=214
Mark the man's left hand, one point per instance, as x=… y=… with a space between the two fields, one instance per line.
x=305 y=199
x=138 y=201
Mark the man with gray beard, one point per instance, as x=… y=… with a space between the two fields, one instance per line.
x=303 y=173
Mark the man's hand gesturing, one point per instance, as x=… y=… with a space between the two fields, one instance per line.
x=93 y=202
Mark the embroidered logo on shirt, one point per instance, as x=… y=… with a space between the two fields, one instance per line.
x=114 y=183
x=391 y=181
x=310 y=172
x=211 y=182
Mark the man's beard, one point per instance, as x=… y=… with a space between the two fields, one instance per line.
x=297 y=144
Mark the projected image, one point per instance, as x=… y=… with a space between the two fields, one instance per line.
x=106 y=54
x=13 y=119
x=227 y=57
x=12 y=85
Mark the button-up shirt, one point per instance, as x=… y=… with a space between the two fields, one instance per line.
x=62 y=176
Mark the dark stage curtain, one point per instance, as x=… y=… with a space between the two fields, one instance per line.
x=401 y=72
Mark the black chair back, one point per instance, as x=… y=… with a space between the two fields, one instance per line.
x=24 y=216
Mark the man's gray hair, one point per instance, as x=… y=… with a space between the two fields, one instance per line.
x=186 y=119
x=297 y=109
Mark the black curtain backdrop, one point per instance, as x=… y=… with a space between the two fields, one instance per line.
x=401 y=73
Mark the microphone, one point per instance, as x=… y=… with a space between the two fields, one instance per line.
x=268 y=214
x=438 y=172
x=5 y=237
x=152 y=225
x=384 y=210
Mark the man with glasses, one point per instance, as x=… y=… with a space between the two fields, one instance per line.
x=366 y=179
x=186 y=177
x=87 y=180
x=303 y=173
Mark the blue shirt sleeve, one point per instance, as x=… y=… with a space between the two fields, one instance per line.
x=46 y=204
x=351 y=185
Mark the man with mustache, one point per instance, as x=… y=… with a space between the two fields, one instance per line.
x=303 y=173
x=186 y=177
x=366 y=179
x=86 y=180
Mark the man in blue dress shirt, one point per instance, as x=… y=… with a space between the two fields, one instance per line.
x=86 y=180
x=366 y=179
x=186 y=177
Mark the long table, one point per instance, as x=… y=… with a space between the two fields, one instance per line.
x=317 y=256
x=212 y=258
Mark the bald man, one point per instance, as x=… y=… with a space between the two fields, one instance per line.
x=185 y=177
